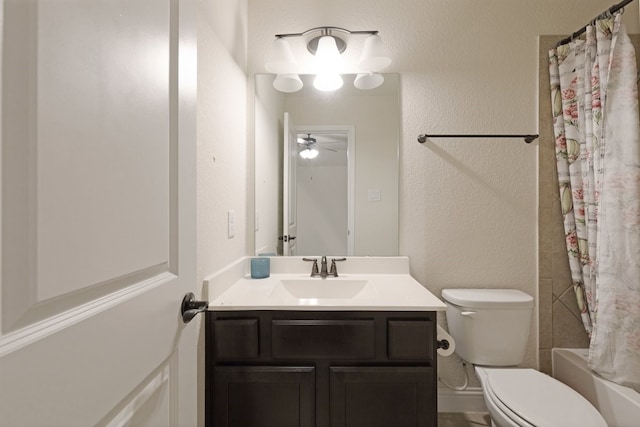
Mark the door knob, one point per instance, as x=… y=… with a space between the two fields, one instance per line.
x=190 y=307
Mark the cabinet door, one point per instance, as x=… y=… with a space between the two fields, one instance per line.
x=263 y=396
x=383 y=397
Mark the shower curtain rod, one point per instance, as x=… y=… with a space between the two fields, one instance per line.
x=613 y=9
x=527 y=138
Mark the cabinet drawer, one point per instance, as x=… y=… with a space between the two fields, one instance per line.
x=323 y=339
x=411 y=339
x=236 y=339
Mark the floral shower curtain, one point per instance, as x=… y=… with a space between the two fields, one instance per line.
x=594 y=97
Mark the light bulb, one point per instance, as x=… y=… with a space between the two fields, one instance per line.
x=328 y=82
x=309 y=153
x=327 y=63
x=327 y=57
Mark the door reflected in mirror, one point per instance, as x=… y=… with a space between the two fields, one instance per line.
x=324 y=183
x=327 y=184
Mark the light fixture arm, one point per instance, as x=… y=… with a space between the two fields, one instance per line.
x=326 y=31
x=326 y=44
x=312 y=46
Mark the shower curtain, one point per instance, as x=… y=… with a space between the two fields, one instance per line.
x=594 y=97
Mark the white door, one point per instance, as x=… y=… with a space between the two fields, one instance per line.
x=289 y=193
x=98 y=212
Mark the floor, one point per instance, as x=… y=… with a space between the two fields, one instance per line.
x=463 y=419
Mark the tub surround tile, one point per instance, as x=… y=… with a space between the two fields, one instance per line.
x=567 y=328
x=545 y=320
x=545 y=361
x=561 y=275
x=544 y=260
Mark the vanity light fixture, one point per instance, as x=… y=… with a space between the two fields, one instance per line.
x=288 y=82
x=326 y=47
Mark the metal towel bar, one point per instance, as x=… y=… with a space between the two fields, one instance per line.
x=527 y=138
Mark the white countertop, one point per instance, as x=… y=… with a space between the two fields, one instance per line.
x=382 y=292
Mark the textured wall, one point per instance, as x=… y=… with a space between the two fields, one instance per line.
x=468 y=208
x=225 y=159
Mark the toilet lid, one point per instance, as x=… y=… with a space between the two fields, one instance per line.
x=541 y=400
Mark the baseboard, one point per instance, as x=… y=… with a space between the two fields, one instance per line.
x=469 y=400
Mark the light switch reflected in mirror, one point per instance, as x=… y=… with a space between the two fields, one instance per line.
x=342 y=207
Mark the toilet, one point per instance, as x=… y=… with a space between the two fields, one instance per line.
x=491 y=328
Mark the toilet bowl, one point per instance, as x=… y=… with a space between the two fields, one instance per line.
x=491 y=328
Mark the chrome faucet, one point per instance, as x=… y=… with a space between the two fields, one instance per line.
x=324 y=271
x=323 y=267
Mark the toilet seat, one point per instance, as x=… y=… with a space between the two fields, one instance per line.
x=505 y=416
x=533 y=399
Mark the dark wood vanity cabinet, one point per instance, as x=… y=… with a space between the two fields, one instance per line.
x=321 y=369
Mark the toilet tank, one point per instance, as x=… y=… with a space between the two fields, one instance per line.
x=490 y=326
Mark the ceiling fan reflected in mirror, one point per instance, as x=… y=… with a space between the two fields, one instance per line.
x=308 y=149
x=306 y=139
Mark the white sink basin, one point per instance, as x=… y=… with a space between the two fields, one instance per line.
x=323 y=289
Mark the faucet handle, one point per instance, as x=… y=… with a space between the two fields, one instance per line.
x=333 y=271
x=314 y=267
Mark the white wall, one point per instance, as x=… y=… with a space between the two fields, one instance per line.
x=225 y=159
x=468 y=207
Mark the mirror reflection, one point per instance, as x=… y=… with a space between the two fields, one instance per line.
x=326 y=169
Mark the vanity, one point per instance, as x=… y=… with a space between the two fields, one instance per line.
x=354 y=350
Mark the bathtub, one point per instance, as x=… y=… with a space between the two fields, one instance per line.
x=620 y=406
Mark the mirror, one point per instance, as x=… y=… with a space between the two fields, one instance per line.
x=345 y=200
